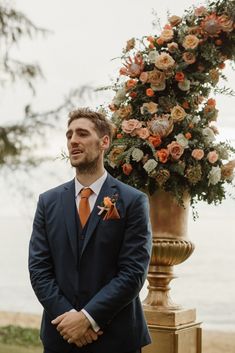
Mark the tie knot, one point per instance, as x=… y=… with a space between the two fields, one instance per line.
x=85 y=193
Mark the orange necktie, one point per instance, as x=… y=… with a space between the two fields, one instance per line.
x=84 y=207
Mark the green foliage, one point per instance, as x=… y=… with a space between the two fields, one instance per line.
x=16 y=335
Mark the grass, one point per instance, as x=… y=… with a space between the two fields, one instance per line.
x=15 y=339
x=10 y=348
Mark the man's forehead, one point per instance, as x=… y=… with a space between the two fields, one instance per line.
x=81 y=124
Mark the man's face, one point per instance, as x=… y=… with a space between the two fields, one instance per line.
x=85 y=146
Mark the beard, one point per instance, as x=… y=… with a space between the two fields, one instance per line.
x=87 y=166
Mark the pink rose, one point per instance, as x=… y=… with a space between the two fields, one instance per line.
x=175 y=150
x=128 y=126
x=212 y=157
x=143 y=77
x=198 y=154
x=143 y=133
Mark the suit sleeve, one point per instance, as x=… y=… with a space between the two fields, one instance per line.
x=133 y=264
x=41 y=268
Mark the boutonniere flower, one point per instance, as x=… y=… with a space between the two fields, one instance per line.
x=108 y=207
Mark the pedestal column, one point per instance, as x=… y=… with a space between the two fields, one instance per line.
x=173 y=328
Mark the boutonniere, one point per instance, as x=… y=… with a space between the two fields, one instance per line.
x=108 y=207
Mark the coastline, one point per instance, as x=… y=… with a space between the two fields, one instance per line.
x=213 y=341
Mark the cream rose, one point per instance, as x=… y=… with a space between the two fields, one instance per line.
x=175 y=20
x=124 y=111
x=226 y=23
x=167 y=35
x=181 y=139
x=189 y=58
x=156 y=77
x=197 y=154
x=190 y=42
x=178 y=113
x=150 y=107
x=150 y=165
x=184 y=85
x=164 y=61
x=137 y=154
x=172 y=47
x=214 y=176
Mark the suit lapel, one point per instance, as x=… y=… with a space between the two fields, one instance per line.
x=106 y=190
x=68 y=201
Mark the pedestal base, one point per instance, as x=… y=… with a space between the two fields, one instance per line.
x=172 y=318
x=180 y=339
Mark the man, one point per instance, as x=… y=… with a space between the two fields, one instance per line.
x=89 y=251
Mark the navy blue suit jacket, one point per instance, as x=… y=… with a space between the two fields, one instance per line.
x=104 y=277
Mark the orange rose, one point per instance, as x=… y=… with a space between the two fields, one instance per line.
x=130 y=84
x=162 y=155
x=188 y=135
x=150 y=39
x=160 y=41
x=149 y=92
x=127 y=168
x=218 y=42
x=198 y=154
x=119 y=136
x=155 y=140
x=179 y=76
x=211 y=102
x=185 y=105
x=151 y=46
x=107 y=202
x=133 y=95
x=222 y=65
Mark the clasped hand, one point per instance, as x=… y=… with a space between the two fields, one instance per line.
x=76 y=328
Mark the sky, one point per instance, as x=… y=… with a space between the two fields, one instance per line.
x=84 y=38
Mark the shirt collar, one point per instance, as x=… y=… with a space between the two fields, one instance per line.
x=95 y=187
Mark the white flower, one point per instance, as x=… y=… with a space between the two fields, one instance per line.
x=214 y=176
x=152 y=56
x=137 y=154
x=160 y=87
x=150 y=165
x=181 y=139
x=184 y=86
x=208 y=134
x=195 y=119
x=119 y=97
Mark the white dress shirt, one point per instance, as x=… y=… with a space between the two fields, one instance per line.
x=95 y=187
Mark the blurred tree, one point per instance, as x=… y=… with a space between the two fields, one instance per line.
x=18 y=139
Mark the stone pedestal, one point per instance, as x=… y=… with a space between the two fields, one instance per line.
x=178 y=339
x=173 y=329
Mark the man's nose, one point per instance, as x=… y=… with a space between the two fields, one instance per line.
x=74 y=139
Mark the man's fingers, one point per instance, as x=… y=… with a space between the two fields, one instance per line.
x=58 y=319
x=78 y=343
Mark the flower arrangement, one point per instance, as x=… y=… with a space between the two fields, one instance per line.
x=163 y=116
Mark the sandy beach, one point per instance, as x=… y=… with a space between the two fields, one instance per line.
x=212 y=341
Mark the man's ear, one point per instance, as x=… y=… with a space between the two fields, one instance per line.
x=105 y=142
